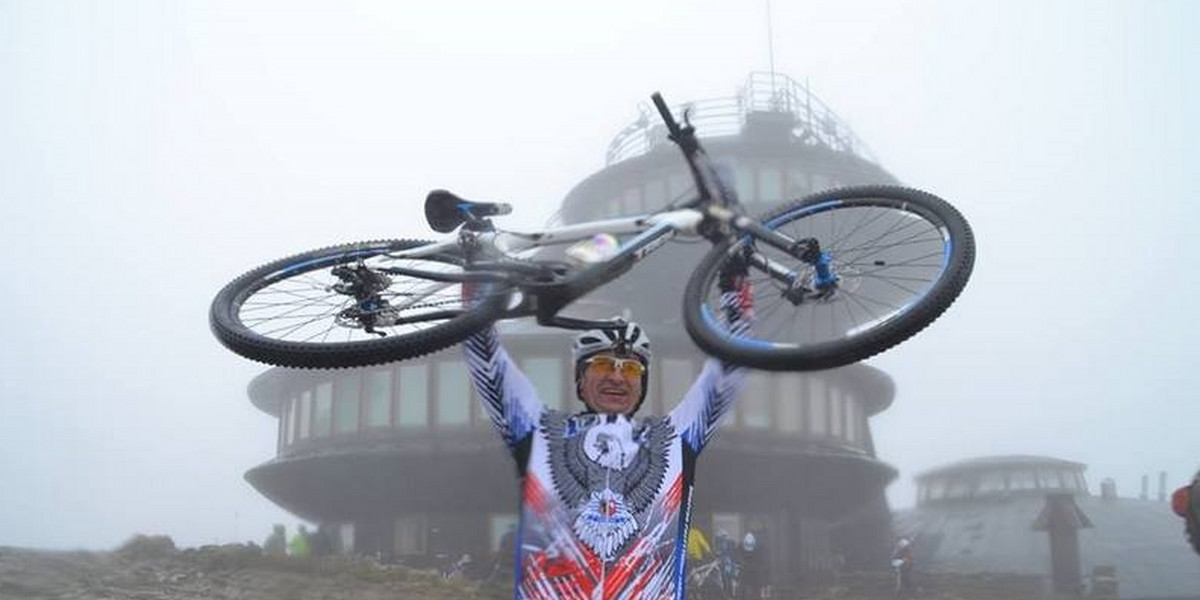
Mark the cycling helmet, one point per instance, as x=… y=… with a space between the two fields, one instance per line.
x=630 y=340
x=748 y=542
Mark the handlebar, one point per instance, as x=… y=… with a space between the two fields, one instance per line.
x=707 y=181
x=665 y=112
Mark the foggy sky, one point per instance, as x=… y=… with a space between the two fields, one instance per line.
x=150 y=152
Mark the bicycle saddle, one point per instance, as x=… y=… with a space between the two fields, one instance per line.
x=445 y=212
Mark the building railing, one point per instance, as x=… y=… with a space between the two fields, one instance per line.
x=813 y=122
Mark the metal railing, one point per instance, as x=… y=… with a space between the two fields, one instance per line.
x=813 y=122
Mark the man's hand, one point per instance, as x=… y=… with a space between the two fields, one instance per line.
x=734 y=277
x=733 y=273
x=467 y=294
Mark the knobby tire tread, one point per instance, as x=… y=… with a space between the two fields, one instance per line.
x=337 y=355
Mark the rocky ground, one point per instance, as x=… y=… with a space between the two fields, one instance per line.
x=217 y=573
x=152 y=569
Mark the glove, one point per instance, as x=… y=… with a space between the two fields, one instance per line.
x=732 y=276
x=733 y=280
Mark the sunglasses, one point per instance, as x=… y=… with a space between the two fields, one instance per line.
x=630 y=368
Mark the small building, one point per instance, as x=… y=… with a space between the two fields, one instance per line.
x=986 y=515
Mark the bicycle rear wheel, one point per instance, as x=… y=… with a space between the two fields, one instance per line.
x=902 y=256
x=340 y=307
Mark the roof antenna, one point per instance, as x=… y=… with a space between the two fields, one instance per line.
x=771 y=50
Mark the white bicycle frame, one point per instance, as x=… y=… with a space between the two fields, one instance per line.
x=649 y=233
x=520 y=244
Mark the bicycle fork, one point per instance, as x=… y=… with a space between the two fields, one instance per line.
x=807 y=250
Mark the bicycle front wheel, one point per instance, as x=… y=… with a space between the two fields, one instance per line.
x=900 y=257
x=350 y=305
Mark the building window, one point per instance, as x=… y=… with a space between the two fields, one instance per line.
x=770 y=184
x=853 y=418
x=817 y=401
x=756 y=401
x=654 y=193
x=1052 y=480
x=293 y=411
x=631 y=202
x=679 y=185
x=675 y=377
x=346 y=403
x=1022 y=480
x=323 y=410
x=835 y=411
x=958 y=488
x=306 y=402
x=410 y=534
x=547 y=377
x=991 y=483
x=453 y=394
x=791 y=402
x=379 y=398
x=743 y=182
x=797 y=184
x=414 y=396
x=937 y=489
x=613 y=208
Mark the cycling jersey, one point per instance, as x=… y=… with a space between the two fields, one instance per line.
x=605 y=498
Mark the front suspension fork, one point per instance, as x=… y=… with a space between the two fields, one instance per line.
x=808 y=250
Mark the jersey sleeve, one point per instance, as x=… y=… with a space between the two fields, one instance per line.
x=698 y=414
x=505 y=393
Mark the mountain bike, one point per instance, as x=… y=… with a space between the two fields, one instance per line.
x=837 y=276
x=706 y=581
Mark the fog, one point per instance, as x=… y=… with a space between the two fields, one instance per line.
x=151 y=151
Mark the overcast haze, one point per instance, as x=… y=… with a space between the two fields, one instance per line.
x=151 y=151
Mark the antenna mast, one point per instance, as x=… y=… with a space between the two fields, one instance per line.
x=771 y=49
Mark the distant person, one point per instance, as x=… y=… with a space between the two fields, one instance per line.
x=753 y=570
x=276 y=543
x=1186 y=503
x=321 y=541
x=726 y=551
x=299 y=546
x=902 y=566
x=697 y=545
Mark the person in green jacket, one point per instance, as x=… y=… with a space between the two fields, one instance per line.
x=299 y=545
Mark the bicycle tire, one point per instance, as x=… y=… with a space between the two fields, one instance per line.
x=284 y=314
x=841 y=216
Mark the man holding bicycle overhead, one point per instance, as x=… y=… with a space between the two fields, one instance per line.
x=605 y=496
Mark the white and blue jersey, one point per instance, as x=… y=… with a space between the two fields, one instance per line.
x=605 y=499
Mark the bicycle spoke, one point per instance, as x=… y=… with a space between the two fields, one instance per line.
x=885 y=256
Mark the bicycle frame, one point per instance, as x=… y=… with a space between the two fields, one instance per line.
x=714 y=214
x=545 y=300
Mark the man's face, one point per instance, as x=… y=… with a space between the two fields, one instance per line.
x=610 y=385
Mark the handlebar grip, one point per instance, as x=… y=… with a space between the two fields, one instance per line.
x=665 y=113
